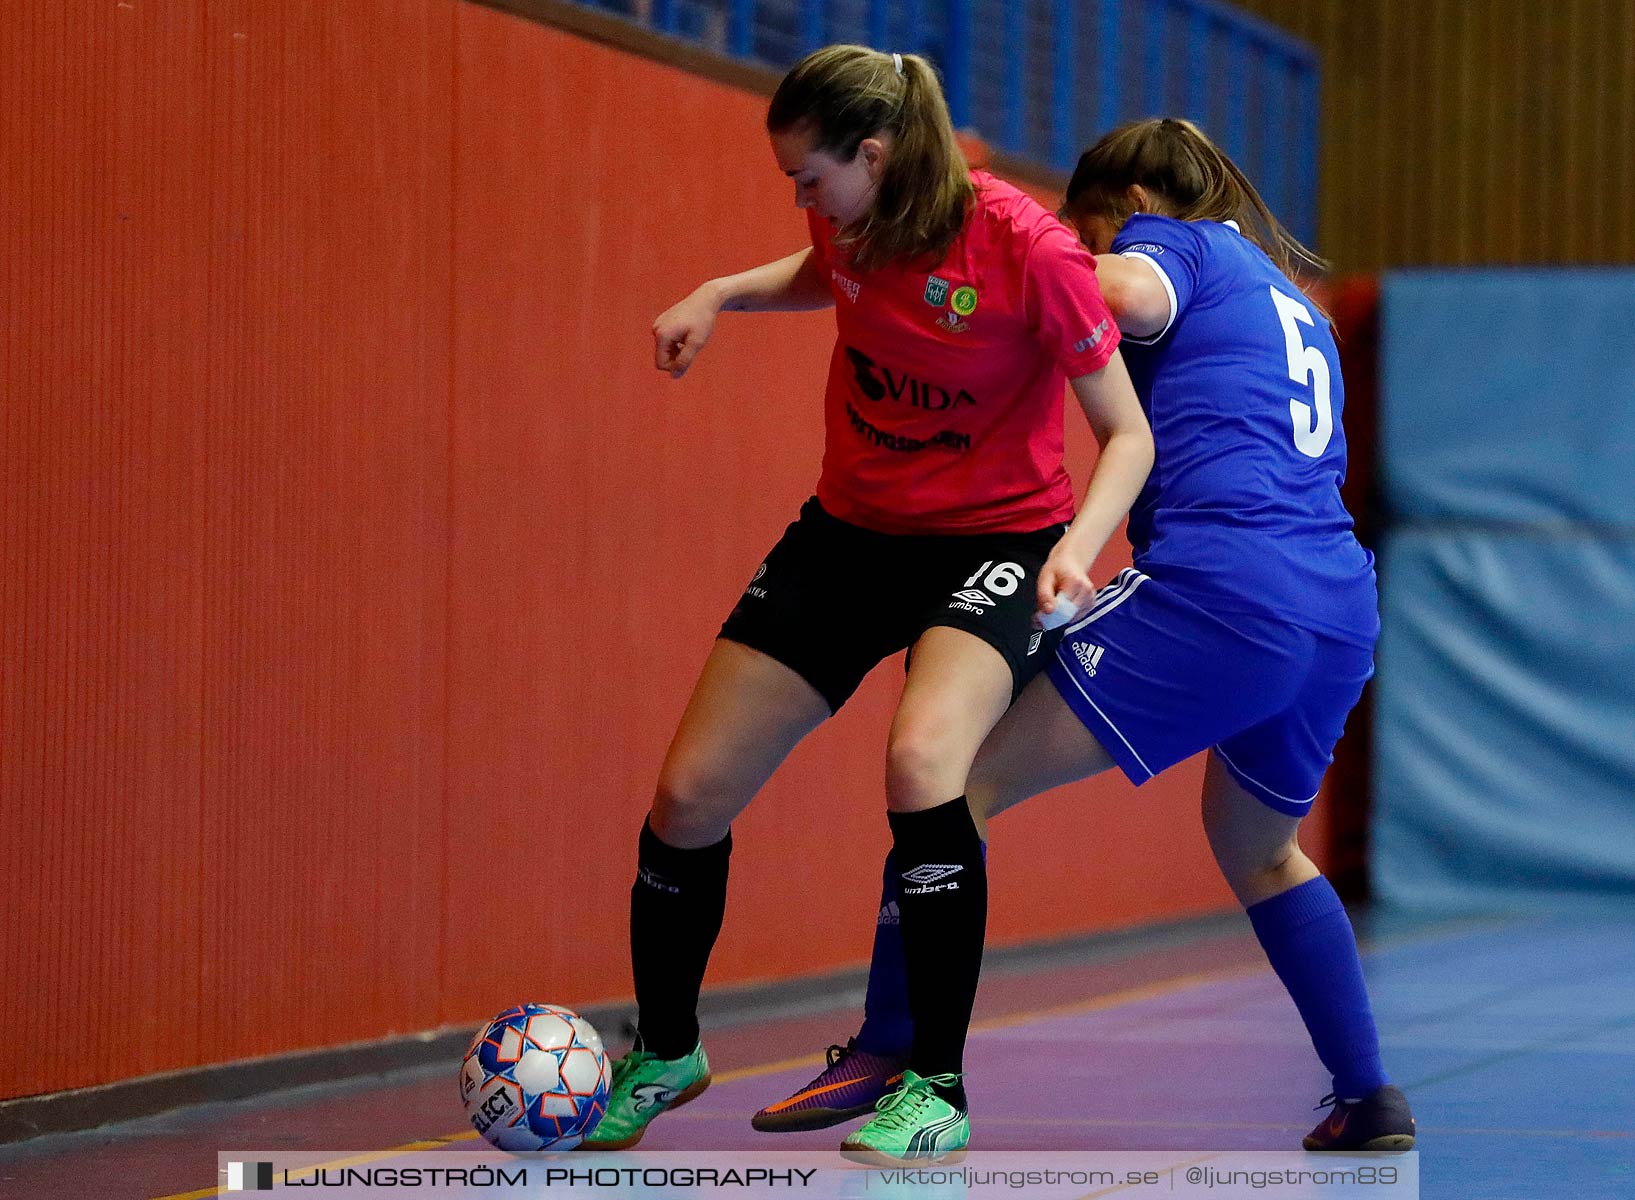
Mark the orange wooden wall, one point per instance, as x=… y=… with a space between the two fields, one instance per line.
x=1472 y=132
x=357 y=564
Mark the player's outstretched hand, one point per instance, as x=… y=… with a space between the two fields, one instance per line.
x=680 y=332
x=1062 y=575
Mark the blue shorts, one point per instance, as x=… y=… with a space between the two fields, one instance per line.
x=1157 y=678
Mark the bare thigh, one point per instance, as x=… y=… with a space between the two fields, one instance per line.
x=1255 y=846
x=1038 y=745
x=747 y=712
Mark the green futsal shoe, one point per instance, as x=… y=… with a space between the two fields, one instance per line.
x=913 y=1125
x=644 y=1085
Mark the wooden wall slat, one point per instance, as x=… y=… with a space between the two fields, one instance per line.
x=224 y=383
x=1460 y=133
x=357 y=563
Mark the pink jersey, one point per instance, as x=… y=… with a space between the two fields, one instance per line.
x=943 y=412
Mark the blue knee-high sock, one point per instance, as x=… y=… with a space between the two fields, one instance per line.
x=888 y=1028
x=1308 y=938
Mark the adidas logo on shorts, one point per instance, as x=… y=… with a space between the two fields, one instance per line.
x=1088 y=655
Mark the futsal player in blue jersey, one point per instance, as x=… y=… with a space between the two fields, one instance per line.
x=1246 y=628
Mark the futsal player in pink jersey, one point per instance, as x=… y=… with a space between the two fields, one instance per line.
x=1245 y=626
x=961 y=308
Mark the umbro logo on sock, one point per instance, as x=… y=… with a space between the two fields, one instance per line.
x=927 y=875
x=656 y=881
x=931 y=872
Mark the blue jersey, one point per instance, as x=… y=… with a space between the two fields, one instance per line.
x=1243 y=391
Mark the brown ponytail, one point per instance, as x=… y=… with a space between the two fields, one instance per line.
x=1191 y=176
x=845 y=94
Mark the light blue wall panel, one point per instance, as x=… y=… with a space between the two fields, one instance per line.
x=1509 y=396
x=1505 y=731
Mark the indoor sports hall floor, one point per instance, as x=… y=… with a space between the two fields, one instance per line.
x=1514 y=1037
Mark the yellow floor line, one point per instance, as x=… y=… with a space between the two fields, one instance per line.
x=1011 y=1020
x=1100 y=1003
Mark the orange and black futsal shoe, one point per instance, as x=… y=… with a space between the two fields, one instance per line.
x=1379 y=1121
x=848 y=1087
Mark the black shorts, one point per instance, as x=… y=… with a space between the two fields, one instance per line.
x=833 y=599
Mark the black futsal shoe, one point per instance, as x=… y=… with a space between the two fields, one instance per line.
x=1379 y=1121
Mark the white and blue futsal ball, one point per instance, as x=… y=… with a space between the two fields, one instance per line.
x=535 y=1078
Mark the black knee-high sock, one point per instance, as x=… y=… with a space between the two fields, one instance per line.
x=944 y=912
x=676 y=905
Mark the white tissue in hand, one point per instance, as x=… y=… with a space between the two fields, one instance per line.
x=1064 y=612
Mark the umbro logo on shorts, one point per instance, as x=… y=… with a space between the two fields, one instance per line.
x=974 y=596
x=1088 y=655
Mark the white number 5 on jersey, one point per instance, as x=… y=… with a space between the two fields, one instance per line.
x=1306 y=364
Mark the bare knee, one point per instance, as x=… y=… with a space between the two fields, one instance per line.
x=924 y=766
x=990 y=791
x=1256 y=847
x=1257 y=868
x=1248 y=864
x=694 y=805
